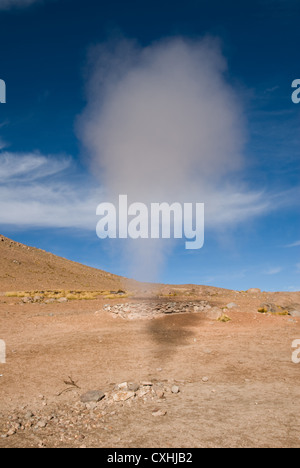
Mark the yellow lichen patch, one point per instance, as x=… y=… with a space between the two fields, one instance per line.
x=12 y=294
x=282 y=313
x=224 y=318
x=263 y=310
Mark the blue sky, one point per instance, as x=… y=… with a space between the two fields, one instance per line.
x=60 y=59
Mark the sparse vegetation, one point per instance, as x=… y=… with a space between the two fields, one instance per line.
x=224 y=318
x=77 y=295
x=114 y=296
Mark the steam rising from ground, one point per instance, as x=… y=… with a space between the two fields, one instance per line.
x=162 y=123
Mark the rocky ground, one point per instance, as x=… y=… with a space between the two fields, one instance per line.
x=186 y=367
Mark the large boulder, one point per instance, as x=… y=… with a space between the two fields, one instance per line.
x=213 y=314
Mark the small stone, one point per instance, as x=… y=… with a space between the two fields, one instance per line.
x=133 y=387
x=29 y=415
x=147 y=384
x=123 y=386
x=142 y=392
x=92 y=396
x=231 y=305
x=91 y=406
x=295 y=313
x=205 y=379
x=42 y=424
x=160 y=393
x=62 y=299
x=159 y=412
x=175 y=389
x=50 y=301
x=26 y=300
x=123 y=396
x=37 y=298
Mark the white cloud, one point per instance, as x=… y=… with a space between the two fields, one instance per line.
x=40 y=191
x=8 y=4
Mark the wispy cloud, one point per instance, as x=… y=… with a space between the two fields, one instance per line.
x=16 y=167
x=40 y=191
x=273 y=271
x=294 y=244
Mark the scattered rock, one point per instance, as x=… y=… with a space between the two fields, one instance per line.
x=123 y=386
x=27 y=300
x=254 y=291
x=41 y=424
x=131 y=311
x=214 y=314
x=143 y=392
x=205 y=379
x=62 y=299
x=175 y=389
x=160 y=393
x=133 y=387
x=295 y=313
x=231 y=305
x=267 y=307
x=123 y=396
x=38 y=298
x=92 y=396
x=28 y=415
x=159 y=412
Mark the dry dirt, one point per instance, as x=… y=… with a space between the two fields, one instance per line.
x=238 y=384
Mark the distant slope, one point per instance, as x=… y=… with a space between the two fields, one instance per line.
x=27 y=268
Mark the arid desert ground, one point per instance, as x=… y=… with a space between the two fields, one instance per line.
x=95 y=360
